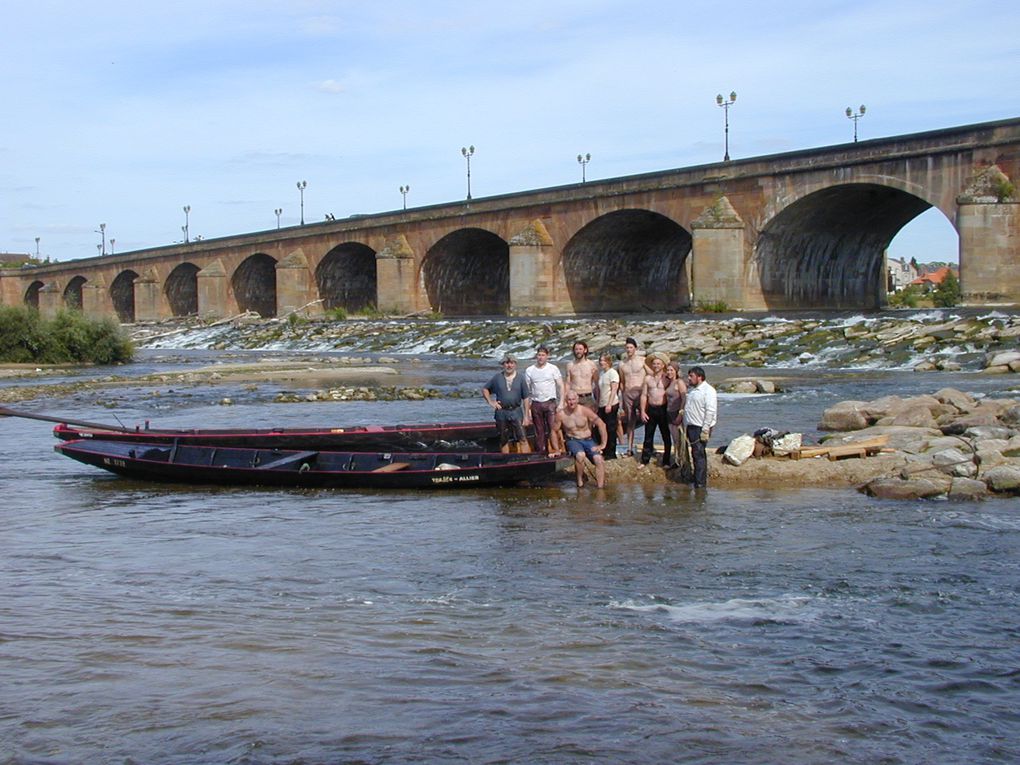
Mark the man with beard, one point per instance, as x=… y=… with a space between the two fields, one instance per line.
x=582 y=375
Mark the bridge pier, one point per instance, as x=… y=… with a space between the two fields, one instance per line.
x=294 y=287
x=534 y=287
x=51 y=300
x=147 y=298
x=212 y=291
x=396 y=277
x=989 y=224
x=719 y=258
x=95 y=300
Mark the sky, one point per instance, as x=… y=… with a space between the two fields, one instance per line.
x=123 y=113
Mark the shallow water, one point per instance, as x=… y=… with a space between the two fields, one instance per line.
x=155 y=624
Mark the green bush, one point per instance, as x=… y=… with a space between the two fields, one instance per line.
x=25 y=337
x=947 y=294
x=719 y=306
x=909 y=297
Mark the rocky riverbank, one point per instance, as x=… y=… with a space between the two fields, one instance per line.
x=928 y=340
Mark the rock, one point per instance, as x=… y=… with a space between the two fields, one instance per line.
x=989 y=457
x=1003 y=478
x=960 y=400
x=846 y=415
x=1003 y=359
x=954 y=462
x=897 y=488
x=739 y=450
x=765 y=386
x=912 y=417
x=967 y=489
x=887 y=406
x=989 y=432
x=948 y=366
x=905 y=439
x=783 y=447
x=925 y=366
x=960 y=425
x=1011 y=416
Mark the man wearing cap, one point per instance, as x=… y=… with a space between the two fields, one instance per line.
x=699 y=418
x=632 y=377
x=653 y=408
x=507 y=393
x=545 y=383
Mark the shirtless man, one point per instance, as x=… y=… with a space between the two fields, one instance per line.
x=653 y=409
x=632 y=378
x=576 y=423
x=582 y=375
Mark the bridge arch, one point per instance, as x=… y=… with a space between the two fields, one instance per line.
x=346 y=277
x=467 y=273
x=122 y=295
x=181 y=290
x=72 y=293
x=628 y=260
x=825 y=250
x=254 y=285
x=32 y=294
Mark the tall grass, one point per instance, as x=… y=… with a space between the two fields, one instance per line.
x=26 y=337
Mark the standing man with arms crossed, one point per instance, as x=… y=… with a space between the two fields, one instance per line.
x=577 y=423
x=632 y=378
x=507 y=394
x=699 y=418
x=546 y=385
x=582 y=376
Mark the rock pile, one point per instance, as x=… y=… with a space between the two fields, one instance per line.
x=953 y=444
x=922 y=341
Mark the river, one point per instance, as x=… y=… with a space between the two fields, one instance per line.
x=142 y=623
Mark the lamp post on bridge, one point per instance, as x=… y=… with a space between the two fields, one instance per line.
x=102 y=232
x=468 y=152
x=279 y=212
x=403 y=193
x=37 y=248
x=855 y=116
x=726 y=104
x=187 y=222
x=583 y=162
x=301 y=186
x=112 y=243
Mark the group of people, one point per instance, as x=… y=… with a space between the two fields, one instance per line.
x=607 y=400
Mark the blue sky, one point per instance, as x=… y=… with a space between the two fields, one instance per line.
x=122 y=113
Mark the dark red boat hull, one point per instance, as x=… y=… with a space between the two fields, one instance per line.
x=191 y=464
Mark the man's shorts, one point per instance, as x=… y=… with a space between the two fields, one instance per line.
x=586 y=399
x=511 y=431
x=577 y=445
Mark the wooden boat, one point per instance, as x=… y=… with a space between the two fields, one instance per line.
x=433 y=437
x=308 y=468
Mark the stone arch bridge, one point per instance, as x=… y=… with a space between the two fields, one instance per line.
x=805 y=229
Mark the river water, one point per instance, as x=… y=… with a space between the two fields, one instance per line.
x=142 y=623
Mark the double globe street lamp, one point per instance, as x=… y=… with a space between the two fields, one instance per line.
x=301 y=186
x=726 y=104
x=855 y=116
x=583 y=162
x=468 y=152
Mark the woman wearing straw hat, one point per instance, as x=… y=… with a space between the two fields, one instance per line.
x=653 y=408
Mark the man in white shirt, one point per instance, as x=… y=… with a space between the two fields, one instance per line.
x=700 y=413
x=546 y=385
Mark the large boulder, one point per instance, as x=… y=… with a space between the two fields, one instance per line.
x=739 y=450
x=911 y=417
x=906 y=439
x=989 y=432
x=959 y=425
x=962 y=401
x=846 y=415
x=897 y=488
x=967 y=489
x=1003 y=478
x=954 y=462
x=1002 y=359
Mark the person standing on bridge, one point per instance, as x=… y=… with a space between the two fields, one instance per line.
x=545 y=382
x=700 y=415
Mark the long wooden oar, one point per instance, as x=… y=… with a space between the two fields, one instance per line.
x=5 y=412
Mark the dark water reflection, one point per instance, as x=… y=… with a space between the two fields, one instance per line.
x=149 y=624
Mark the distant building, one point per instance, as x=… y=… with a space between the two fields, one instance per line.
x=929 y=281
x=900 y=273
